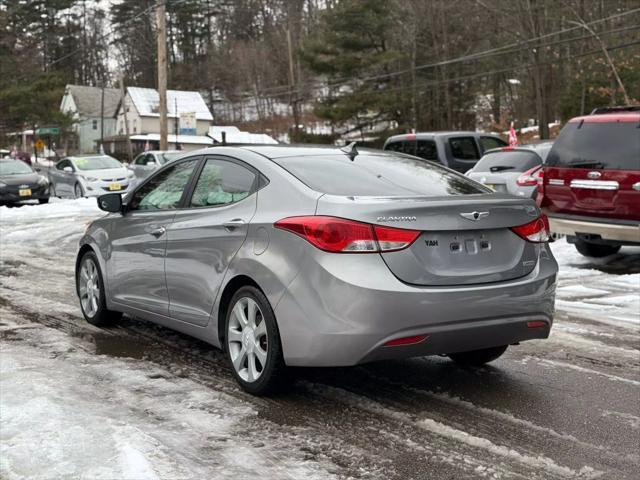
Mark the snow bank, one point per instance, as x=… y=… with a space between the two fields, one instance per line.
x=54 y=209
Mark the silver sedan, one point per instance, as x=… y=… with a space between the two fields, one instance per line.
x=308 y=256
x=88 y=176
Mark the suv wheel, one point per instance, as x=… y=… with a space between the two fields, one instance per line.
x=478 y=357
x=595 y=249
x=90 y=289
x=252 y=342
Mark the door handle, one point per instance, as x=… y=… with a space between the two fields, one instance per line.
x=158 y=232
x=233 y=224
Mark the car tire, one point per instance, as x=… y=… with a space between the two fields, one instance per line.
x=478 y=357
x=78 y=191
x=255 y=357
x=90 y=289
x=43 y=200
x=596 y=250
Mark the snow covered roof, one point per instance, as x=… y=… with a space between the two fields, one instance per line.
x=235 y=135
x=146 y=101
x=171 y=138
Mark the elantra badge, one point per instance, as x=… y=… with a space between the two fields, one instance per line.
x=396 y=219
x=474 y=215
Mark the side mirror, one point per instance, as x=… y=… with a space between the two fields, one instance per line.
x=151 y=163
x=68 y=169
x=110 y=202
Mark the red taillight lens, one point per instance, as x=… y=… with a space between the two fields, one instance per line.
x=338 y=235
x=529 y=178
x=536 y=231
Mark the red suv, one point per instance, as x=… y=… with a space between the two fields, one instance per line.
x=590 y=186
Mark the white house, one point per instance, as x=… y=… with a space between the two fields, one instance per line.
x=91 y=119
x=142 y=106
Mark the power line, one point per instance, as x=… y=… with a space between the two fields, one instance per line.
x=473 y=56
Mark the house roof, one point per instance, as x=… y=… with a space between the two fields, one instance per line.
x=235 y=135
x=146 y=101
x=88 y=100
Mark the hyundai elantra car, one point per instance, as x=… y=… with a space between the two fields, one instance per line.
x=311 y=256
x=89 y=176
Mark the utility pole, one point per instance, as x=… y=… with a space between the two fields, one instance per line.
x=175 y=122
x=293 y=99
x=162 y=72
x=102 y=119
x=123 y=104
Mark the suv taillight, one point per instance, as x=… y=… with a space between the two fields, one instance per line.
x=529 y=178
x=536 y=231
x=339 y=235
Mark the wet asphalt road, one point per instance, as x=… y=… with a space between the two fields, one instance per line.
x=567 y=407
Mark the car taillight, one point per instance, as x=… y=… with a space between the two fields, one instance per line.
x=339 y=235
x=536 y=231
x=529 y=178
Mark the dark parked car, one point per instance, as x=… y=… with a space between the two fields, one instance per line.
x=19 y=182
x=590 y=186
x=457 y=150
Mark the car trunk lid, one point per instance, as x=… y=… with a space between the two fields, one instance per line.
x=464 y=240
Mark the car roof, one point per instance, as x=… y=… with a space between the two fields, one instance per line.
x=282 y=151
x=520 y=148
x=445 y=133
x=621 y=117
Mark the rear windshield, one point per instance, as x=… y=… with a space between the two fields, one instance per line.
x=378 y=175
x=97 y=163
x=516 y=161
x=614 y=146
x=168 y=156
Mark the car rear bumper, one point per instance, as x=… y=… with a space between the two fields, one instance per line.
x=340 y=310
x=606 y=231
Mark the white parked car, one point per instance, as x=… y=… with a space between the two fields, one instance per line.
x=89 y=176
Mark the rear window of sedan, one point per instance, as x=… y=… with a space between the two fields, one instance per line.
x=514 y=161
x=378 y=175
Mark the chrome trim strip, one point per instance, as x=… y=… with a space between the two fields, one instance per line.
x=556 y=181
x=595 y=184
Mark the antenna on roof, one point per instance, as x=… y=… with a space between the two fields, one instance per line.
x=350 y=150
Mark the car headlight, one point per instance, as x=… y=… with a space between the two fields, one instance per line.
x=43 y=180
x=131 y=174
x=91 y=179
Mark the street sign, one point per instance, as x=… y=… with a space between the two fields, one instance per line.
x=188 y=123
x=39 y=144
x=48 y=131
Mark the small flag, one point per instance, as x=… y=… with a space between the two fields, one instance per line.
x=513 y=138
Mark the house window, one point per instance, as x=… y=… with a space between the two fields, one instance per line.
x=95 y=124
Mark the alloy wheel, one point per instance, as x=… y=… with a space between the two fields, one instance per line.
x=89 y=287
x=247 y=339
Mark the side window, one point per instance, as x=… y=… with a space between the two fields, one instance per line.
x=141 y=159
x=394 y=147
x=427 y=150
x=62 y=164
x=491 y=142
x=164 y=190
x=464 y=148
x=222 y=183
